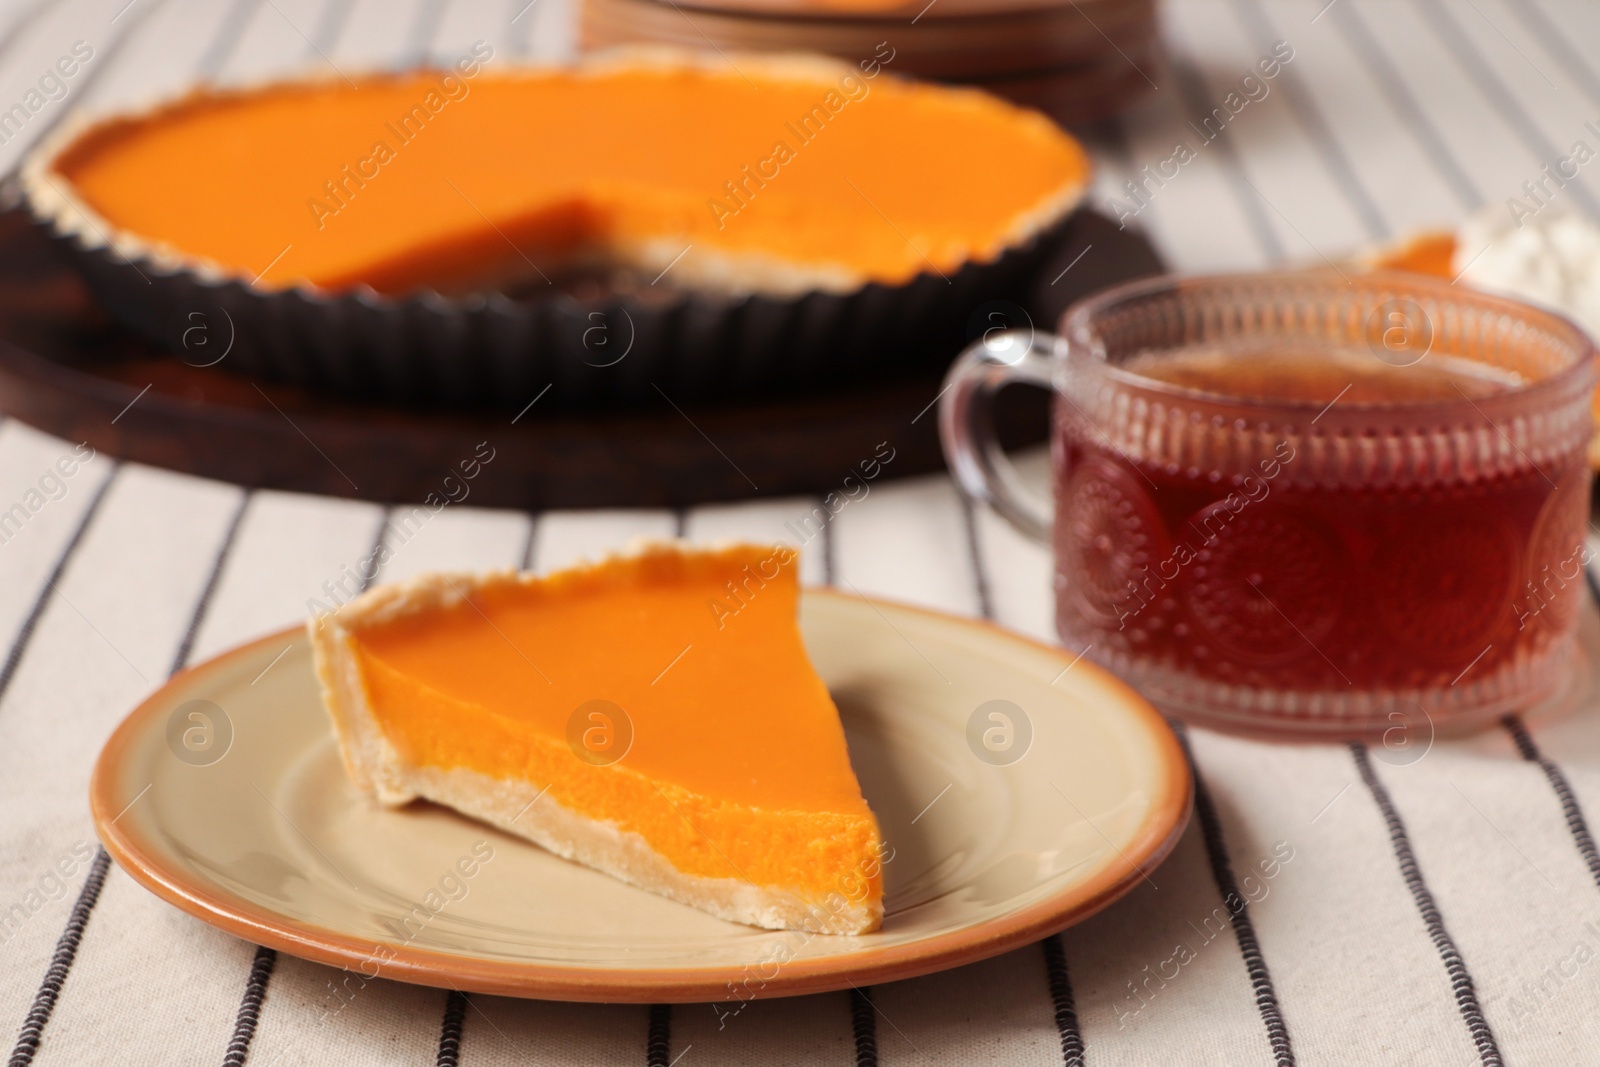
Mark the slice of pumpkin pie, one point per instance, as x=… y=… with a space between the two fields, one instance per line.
x=654 y=716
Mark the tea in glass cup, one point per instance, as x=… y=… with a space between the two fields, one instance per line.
x=1301 y=503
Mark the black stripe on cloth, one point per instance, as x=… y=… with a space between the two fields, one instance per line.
x=519 y=31
x=1055 y=969
x=329 y=29
x=260 y=977
x=1482 y=74
x=980 y=574
x=1192 y=88
x=1576 y=823
x=530 y=547
x=1304 y=106
x=1244 y=929
x=430 y=14
x=1055 y=955
x=658 y=1036
x=44 y=1002
x=1349 y=20
x=180 y=659
x=216 y=56
x=380 y=537
x=255 y=991
x=19 y=28
x=86 y=80
x=830 y=552
x=1460 y=979
x=455 y=1014
x=864 y=1027
x=19 y=644
x=680 y=522
x=1557 y=41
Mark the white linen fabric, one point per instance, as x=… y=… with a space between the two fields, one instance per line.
x=1443 y=910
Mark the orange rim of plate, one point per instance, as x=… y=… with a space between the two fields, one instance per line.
x=1154 y=839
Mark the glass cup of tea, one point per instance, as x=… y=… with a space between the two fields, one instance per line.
x=1304 y=504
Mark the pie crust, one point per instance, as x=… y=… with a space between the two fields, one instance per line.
x=846 y=899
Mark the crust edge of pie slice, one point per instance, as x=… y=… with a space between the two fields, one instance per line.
x=837 y=852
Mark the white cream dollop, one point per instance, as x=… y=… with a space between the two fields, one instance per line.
x=1550 y=258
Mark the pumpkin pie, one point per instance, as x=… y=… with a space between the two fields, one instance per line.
x=654 y=716
x=751 y=174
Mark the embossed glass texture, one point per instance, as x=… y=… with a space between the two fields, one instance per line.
x=1274 y=552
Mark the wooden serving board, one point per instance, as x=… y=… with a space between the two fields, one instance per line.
x=903 y=11
x=68 y=370
x=1076 y=61
x=1000 y=43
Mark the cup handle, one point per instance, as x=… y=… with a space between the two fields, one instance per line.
x=966 y=423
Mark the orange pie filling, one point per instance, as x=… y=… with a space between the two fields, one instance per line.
x=1431 y=253
x=658 y=712
x=776 y=174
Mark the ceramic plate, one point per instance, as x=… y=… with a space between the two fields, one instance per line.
x=1019 y=790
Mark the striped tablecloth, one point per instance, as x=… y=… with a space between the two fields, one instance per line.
x=1441 y=910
